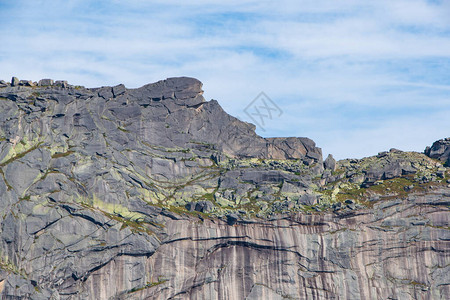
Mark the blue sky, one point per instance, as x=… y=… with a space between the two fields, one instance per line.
x=358 y=77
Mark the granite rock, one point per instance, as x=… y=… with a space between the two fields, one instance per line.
x=15 y=81
x=45 y=82
x=156 y=193
x=330 y=163
x=440 y=150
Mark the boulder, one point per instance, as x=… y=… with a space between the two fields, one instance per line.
x=232 y=219
x=440 y=150
x=118 y=90
x=330 y=163
x=45 y=82
x=26 y=83
x=15 y=81
x=62 y=83
x=307 y=199
x=293 y=148
x=200 y=206
x=204 y=206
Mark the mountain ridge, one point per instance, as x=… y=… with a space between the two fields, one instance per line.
x=151 y=177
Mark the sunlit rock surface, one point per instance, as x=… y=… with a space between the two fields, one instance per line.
x=155 y=193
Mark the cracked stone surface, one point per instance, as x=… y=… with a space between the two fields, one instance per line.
x=155 y=193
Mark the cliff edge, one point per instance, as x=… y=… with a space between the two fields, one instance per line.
x=155 y=193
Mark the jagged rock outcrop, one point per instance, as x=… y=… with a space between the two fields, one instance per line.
x=330 y=163
x=155 y=193
x=440 y=150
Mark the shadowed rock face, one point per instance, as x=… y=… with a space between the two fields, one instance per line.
x=155 y=193
x=440 y=150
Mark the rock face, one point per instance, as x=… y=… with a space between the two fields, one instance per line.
x=14 y=81
x=155 y=193
x=440 y=150
x=390 y=254
x=45 y=82
x=330 y=163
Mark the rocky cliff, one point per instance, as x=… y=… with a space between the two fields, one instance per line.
x=155 y=193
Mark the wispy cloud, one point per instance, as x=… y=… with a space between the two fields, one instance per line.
x=356 y=76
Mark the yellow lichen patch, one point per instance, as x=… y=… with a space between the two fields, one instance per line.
x=150 y=196
x=83 y=165
x=19 y=150
x=148 y=285
x=58 y=149
x=224 y=202
x=119 y=213
x=116 y=209
x=7 y=265
x=42 y=209
x=115 y=174
x=396 y=187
